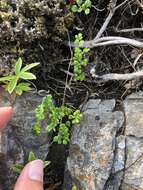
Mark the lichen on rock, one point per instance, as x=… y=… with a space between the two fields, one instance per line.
x=28 y=24
x=26 y=19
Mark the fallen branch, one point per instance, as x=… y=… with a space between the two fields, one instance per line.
x=115 y=76
x=109 y=40
x=130 y=30
x=113 y=40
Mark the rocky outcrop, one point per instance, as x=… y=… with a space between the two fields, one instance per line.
x=106 y=150
x=18 y=140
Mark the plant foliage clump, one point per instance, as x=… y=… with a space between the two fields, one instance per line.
x=60 y=119
x=79 y=59
x=82 y=5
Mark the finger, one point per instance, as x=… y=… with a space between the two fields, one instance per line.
x=31 y=177
x=5 y=116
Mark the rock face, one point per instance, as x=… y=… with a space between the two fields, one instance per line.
x=106 y=150
x=18 y=140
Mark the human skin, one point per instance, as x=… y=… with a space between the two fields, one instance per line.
x=31 y=176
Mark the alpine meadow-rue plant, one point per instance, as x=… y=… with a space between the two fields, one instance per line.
x=60 y=119
x=12 y=83
x=81 y=5
x=79 y=58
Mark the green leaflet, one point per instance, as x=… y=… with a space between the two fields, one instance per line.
x=12 y=82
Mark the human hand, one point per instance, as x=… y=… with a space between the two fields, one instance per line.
x=31 y=177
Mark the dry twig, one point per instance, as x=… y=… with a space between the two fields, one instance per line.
x=130 y=30
x=109 y=17
x=115 y=76
x=113 y=8
x=137 y=58
x=110 y=40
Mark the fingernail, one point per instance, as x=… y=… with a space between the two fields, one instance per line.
x=6 y=108
x=35 y=170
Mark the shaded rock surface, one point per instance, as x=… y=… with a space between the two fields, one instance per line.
x=18 y=140
x=106 y=150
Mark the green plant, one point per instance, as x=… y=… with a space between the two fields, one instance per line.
x=82 y=5
x=12 y=82
x=60 y=119
x=79 y=60
x=18 y=167
x=74 y=187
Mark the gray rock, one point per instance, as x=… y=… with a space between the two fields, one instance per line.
x=135 y=96
x=119 y=159
x=92 y=104
x=92 y=146
x=106 y=105
x=106 y=150
x=134 y=164
x=117 y=174
x=19 y=139
x=114 y=181
x=133 y=173
x=134 y=115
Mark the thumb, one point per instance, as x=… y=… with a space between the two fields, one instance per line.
x=5 y=116
x=31 y=177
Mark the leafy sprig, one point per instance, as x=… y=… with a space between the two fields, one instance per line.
x=60 y=119
x=12 y=82
x=79 y=58
x=82 y=5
